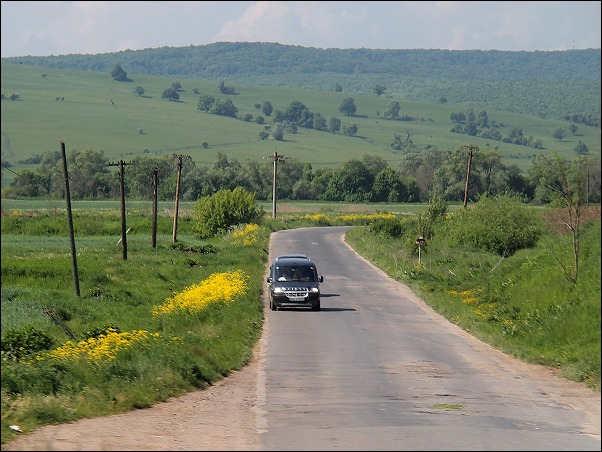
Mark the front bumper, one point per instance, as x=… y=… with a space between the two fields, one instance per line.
x=296 y=297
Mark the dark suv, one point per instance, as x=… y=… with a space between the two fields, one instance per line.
x=294 y=282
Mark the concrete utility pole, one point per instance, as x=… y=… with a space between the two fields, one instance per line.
x=276 y=158
x=175 y=215
x=155 y=198
x=467 y=176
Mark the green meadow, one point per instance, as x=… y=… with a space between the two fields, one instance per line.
x=95 y=112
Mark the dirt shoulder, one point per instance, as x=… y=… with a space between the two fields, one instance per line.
x=222 y=417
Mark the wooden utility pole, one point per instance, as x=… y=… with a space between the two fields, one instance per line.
x=175 y=215
x=155 y=196
x=123 y=240
x=70 y=217
x=276 y=158
x=467 y=176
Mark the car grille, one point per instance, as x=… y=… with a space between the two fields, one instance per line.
x=296 y=293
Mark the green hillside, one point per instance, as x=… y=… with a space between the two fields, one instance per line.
x=88 y=109
x=546 y=84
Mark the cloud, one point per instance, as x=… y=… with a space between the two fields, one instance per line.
x=63 y=27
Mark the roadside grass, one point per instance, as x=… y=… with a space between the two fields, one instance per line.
x=522 y=304
x=112 y=352
x=179 y=352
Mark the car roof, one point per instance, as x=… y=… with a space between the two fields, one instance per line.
x=293 y=260
x=292 y=256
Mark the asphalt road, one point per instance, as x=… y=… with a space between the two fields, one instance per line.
x=376 y=369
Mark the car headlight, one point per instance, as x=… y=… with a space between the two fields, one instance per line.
x=278 y=290
x=315 y=290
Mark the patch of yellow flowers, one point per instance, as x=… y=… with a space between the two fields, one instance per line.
x=468 y=296
x=349 y=218
x=103 y=348
x=244 y=235
x=217 y=287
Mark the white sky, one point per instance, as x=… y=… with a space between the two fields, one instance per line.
x=58 y=28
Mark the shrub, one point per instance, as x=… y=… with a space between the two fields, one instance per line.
x=226 y=208
x=392 y=227
x=25 y=341
x=501 y=225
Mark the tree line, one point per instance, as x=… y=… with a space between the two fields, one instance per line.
x=419 y=176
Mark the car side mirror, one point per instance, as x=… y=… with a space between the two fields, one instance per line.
x=320 y=278
x=269 y=279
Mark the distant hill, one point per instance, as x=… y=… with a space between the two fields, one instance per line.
x=555 y=84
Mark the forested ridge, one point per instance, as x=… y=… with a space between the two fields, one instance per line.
x=548 y=84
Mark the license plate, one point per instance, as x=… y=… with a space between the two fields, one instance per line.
x=296 y=298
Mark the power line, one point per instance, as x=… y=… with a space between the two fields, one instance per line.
x=6 y=167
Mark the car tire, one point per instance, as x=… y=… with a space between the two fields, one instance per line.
x=272 y=305
x=316 y=306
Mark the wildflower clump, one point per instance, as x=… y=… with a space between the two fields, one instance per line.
x=468 y=296
x=103 y=348
x=245 y=235
x=318 y=218
x=217 y=287
x=365 y=218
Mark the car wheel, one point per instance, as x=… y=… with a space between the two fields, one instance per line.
x=316 y=306
x=272 y=305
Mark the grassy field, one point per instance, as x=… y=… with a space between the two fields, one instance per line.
x=96 y=112
x=137 y=335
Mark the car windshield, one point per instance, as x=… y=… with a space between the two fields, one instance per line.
x=303 y=273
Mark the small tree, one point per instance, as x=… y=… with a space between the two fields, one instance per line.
x=580 y=148
x=379 y=90
x=568 y=191
x=558 y=133
x=393 y=111
x=347 y=107
x=278 y=134
x=139 y=90
x=119 y=74
x=334 y=124
x=170 y=94
x=205 y=103
x=350 y=130
x=267 y=108
x=225 y=89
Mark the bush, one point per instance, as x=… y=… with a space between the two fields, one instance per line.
x=226 y=208
x=501 y=225
x=392 y=227
x=25 y=341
